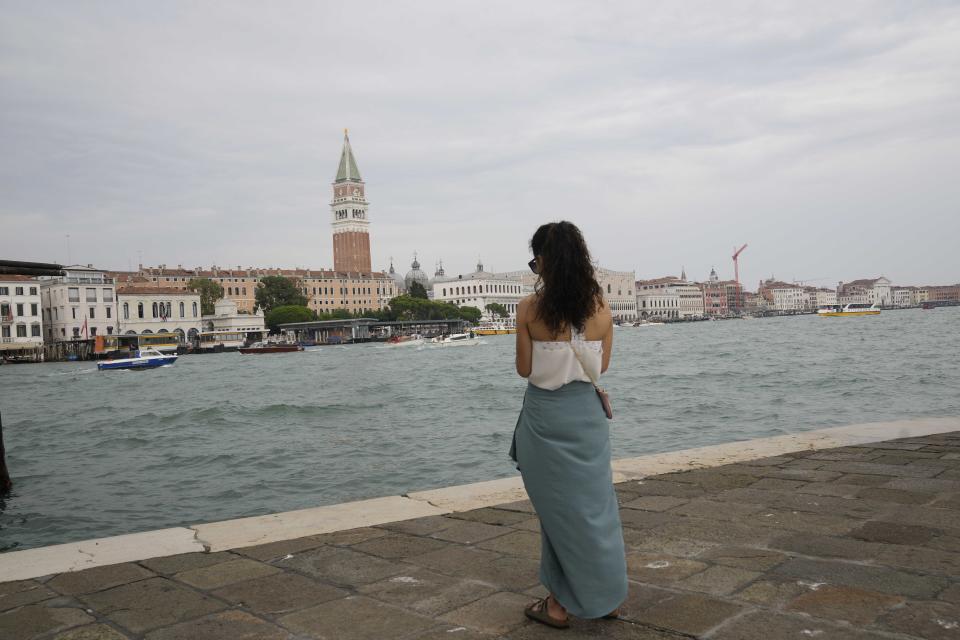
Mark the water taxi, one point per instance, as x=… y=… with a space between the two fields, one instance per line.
x=852 y=309
x=493 y=329
x=268 y=347
x=456 y=340
x=141 y=359
x=404 y=341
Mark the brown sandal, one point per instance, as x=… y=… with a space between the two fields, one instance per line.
x=538 y=612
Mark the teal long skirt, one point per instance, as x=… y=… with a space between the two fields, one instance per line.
x=562 y=448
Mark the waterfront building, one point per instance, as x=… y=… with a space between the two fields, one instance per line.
x=945 y=293
x=78 y=305
x=669 y=298
x=902 y=296
x=820 y=297
x=721 y=298
x=866 y=291
x=784 y=297
x=480 y=288
x=398 y=281
x=619 y=292
x=21 y=317
x=227 y=318
x=146 y=309
x=351 y=226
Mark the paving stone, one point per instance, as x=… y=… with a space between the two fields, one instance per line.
x=749 y=558
x=591 y=630
x=350 y=536
x=518 y=543
x=355 y=618
x=951 y=501
x=778 y=484
x=771 y=461
x=33 y=620
x=491 y=515
x=531 y=524
x=225 y=573
x=98 y=578
x=945 y=519
x=772 y=593
x=91 y=632
x=638 y=519
x=279 y=593
x=952 y=474
x=900 y=471
x=850 y=604
x=470 y=532
x=924 y=485
x=721 y=532
x=22 y=592
x=646 y=541
x=688 y=613
x=805 y=475
x=655 y=503
x=420 y=526
x=717 y=510
x=864 y=577
x=719 y=580
x=641 y=597
x=427 y=592
x=274 y=550
x=945 y=543
x=399 y=545
x=796 y=501
x=184 y=561
x=449 y=632
x=226 y=625
x=881 y=494
x=342 y=566
x=676 y=489
x=892 y=459
x=893 y=533
x=520 y=505
x=802 y=521
x=919 y=559
x=496 y=613
x=766 y=626
x=865 y=480
x=833 y=455
x=148 y=604
x=507 y=572
x=927 y=620
x=951 y=593
x=656 y=568
x=713 y=482
x=827 y=546
x=834 y=489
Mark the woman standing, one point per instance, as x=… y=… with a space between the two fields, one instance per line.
x=562 y=440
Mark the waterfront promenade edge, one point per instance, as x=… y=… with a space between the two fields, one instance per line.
x=850 y=532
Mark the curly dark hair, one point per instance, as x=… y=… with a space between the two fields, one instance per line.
x=568 y=290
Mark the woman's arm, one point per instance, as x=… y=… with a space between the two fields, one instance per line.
x=524 y=341
x=607 y=319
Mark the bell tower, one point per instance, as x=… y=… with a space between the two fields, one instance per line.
x=351 y=228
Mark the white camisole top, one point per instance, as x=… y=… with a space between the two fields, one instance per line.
x=554 y=363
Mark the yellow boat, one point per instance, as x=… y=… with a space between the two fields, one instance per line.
x=852 y=309
x=493 y=330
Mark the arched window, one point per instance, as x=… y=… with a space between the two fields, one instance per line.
x=194 y=309
x=156 y=310
x=139 y=309
x=182 y=310
x=126 y=310
x=608 y=288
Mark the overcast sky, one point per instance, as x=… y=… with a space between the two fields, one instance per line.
x=824 y=134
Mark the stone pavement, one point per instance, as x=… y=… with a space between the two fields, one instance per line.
x=850 y=543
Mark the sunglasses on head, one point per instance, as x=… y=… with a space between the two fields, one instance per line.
x=533 y=265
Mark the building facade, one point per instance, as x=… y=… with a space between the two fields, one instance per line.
x=21 y=314
x=784 y=297
x=142 y=310
x=79 y=304
x=721 y=298
x=867 y=291
x=480 y=288
x=227 y=318
x=820 y=297
x=669 y=298
x=351 y=227
x=619 y=292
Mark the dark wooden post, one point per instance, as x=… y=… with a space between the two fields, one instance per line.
x=5 y=484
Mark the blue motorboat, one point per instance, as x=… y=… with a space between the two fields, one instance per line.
x=143 y=359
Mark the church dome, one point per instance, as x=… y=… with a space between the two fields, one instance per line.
x=416 y=274
x=397 y=278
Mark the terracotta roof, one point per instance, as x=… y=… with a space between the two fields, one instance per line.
x=15 y=278
x=663 y=280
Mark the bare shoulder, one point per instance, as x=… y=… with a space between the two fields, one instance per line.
x=525 y=304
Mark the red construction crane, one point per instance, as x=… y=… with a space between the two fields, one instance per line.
x=736 y=264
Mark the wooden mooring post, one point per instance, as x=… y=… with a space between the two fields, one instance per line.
x=5 y=484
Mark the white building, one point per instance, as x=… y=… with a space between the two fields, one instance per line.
x=669 y=298
x=225 y=318
x=480 y=288
x=868 y=291
x=144 y=309
x=819 y=297
x=619 y=292
x=21 y=318
x=77 y=305
x=902 y=296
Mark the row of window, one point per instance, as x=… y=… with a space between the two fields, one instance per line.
x=494 y=288
x=5 y=291
x=21 y=331
x=161 y=310
x=6 y=309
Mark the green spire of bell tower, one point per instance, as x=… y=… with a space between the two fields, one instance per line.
x=347 y=171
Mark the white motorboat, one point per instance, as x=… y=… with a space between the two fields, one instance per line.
x=142 y=359
x=456 y=340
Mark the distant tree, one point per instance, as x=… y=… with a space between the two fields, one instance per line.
x=470 y=314
x=286 y=314
x=277 y=291
x=497 y=309
x=336 y=314
x=417 y=290
x=209 y=291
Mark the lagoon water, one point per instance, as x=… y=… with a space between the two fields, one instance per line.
x=222 y=436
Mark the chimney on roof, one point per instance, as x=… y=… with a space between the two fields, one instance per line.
x=180 y=267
